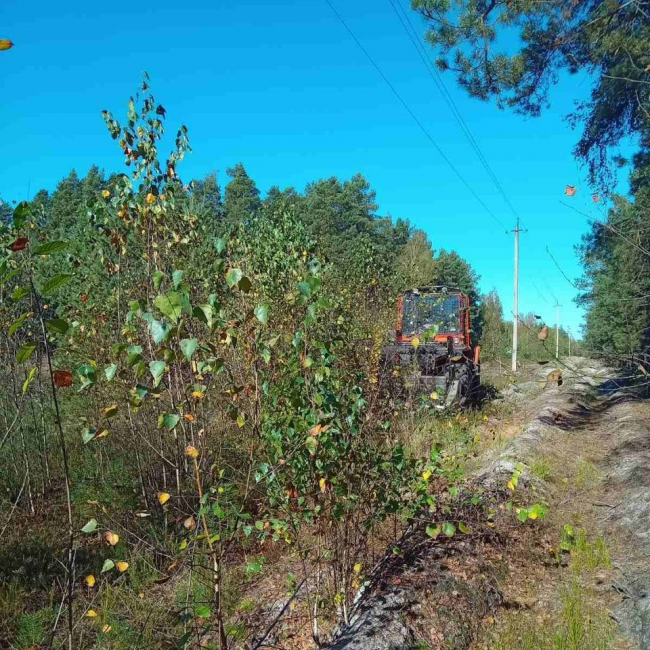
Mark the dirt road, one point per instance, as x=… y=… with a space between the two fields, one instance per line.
x=579 y=578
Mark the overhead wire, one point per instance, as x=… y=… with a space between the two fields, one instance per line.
x=415 y=118
x=411 y=32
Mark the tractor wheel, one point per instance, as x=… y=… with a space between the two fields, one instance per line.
x=459 y=390
x=464 y=387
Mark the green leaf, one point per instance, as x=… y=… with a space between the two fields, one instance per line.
x=188 y=347
x=462 y=526
x=233 y=276
x=202 y=611
x=262 y=313
x=28 y=379
x=88 y=434
x=6 y=276
x=110 y=371
x=133 y=358
x=448 y=529
x=177 y=276
x=90 y=526
x=172 y=304
x=157 y=368
x=57 y=325
x=54 y=283
x=108 y=565
x=18 y=322
x=220 y=244
x=205 y=314
x=50 y=247
x=169 y=420
x=157 y=277
x=21 y=212
x=255 y=566
x=433 y=531
x=522 y=514
x=25 y=351
x=19 y=292
x=160 y=331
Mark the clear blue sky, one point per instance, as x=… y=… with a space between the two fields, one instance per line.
x=283 y=88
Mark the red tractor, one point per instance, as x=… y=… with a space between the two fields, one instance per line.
x=432 y=347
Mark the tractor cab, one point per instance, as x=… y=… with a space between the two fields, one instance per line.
x=437 y=313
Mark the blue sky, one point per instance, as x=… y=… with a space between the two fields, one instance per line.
x=283 y=88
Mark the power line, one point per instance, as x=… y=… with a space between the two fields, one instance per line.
x=415 y=118
x=449 y=100
x=559 y=268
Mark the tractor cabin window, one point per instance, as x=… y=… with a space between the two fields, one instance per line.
x=421 y=312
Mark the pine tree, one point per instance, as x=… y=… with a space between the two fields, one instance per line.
x=242 y=198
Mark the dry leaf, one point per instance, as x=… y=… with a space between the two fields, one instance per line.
x=189 y=523
x=18 y=244
x=543 y=333
x=570 y=190
x=189 y=417
x=62 y=378
x=111 y=538
x=106 y=628
x=192 y=452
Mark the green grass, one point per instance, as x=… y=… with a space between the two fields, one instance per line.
x=541 y=468
x=586 y=474
x=577 y=626
x=585 y=553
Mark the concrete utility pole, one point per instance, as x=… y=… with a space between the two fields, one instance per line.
x=515 y=300
x=557 y=329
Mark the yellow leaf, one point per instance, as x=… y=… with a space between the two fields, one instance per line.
x=510 y=485
x=357 y=568
x=91 y=613
x=532 y=514
x=122 y=566
x=189 y=417
x=5 y=44
x=141 y=595
x=111 y=538
x=105 y=193
x=322 y=484
x=150 y=198
x=163 y=497
x=198 y=394
x=315 y=430
x=415 y=341
x=90 y=580
x=434 y=395
x=426 y=474
x=192 y=452
x=107 y=628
